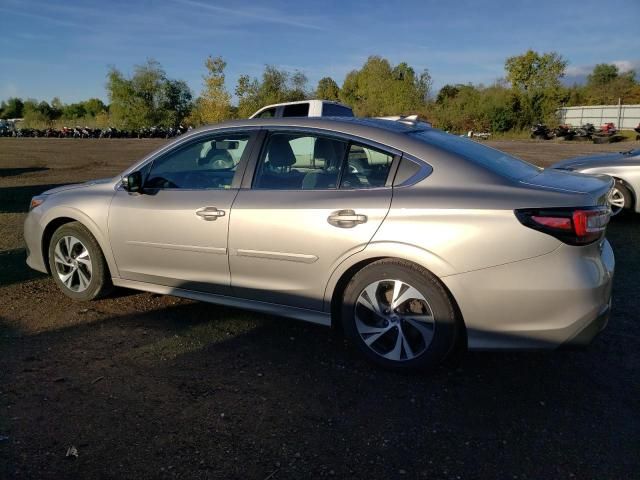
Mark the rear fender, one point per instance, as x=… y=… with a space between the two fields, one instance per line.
x=376 y=250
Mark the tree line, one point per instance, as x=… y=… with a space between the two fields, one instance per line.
x=530 y=92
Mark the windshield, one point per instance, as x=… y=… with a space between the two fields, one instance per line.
x=490 y=158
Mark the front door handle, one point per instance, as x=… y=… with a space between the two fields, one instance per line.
x=346 y=219
x=209 y=213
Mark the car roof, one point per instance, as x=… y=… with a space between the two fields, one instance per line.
x=350 y=125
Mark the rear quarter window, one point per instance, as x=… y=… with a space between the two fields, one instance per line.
x=489 y=158
x=296 y=110
x=333 y=110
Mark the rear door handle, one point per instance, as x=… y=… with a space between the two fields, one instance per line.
x=209 y=213
x=346 y=219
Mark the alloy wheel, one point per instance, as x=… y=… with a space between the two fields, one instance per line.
x=73 y=263
x=616 y=201
x=394 y=320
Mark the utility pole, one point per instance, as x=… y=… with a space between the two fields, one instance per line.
x=618 y=126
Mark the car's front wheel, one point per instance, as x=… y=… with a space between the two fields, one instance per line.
x=620 y=198
x=400 y=316
x=77 y=264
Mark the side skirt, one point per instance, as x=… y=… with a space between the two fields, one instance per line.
x=312 y=316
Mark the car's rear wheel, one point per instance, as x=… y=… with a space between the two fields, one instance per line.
x=77 y=264
x=620 y=198
x=399 y=315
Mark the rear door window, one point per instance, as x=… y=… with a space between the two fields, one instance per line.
x=300 y=162
x=366 y=167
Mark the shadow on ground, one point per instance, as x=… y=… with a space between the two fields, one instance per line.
x=11 y=172
x=13 y=267
x=17 y=199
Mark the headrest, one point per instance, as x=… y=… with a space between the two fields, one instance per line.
x=221 y=157
x=331 y=151
x=280 y=152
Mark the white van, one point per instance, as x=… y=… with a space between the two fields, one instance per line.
x=304 y=108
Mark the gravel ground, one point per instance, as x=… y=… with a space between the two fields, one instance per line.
x=148 y=386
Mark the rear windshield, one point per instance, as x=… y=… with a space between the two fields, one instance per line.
x=333 y=110
x=490 y=158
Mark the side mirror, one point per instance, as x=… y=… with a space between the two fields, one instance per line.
x=133 y=182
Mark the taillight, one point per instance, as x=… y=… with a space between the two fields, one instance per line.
x=575 y=226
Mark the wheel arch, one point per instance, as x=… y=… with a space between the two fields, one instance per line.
x=628 y=186
x=69 y=215
x=348 y=268
x=47 y=234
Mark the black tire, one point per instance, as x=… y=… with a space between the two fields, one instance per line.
x=99 y=284
x=628 y=198
x=447 y=330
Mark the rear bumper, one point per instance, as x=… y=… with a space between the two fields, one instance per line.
x=585 y=336
x=558 y=299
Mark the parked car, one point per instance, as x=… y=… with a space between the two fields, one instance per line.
x=416 y=242
x=305 y=108
x=624 y=167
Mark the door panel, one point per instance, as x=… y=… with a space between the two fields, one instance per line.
x=283 y=248
x=175 y=232
x=164 y=238
x=300 y=219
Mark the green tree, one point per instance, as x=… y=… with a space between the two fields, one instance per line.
x=214 y=103
x=74 y=111
x=533 y=71
x=274 y=86
x=536 y=79
x=605 y=85
x=13 y=108
x=327 y=89
x=602 y=74
x=57 y=103
x=94 y=106
x=147 y=98
x=36 y=114
x=175 y=102
x=447 y=92
x=380 y=89
x=297 y=89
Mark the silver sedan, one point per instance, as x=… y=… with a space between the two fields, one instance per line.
x=624 y=167
x=415 y=242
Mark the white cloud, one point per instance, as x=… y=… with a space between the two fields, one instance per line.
x=578 y=70
x=257 y=14
x=627 y=65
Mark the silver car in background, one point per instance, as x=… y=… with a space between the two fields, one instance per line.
x=413 y=241
x=624 y=167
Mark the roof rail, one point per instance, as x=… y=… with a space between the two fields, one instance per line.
x=413 y=120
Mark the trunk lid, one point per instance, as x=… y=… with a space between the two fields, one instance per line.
x=596 y=187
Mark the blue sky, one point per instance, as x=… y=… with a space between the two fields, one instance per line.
x=63 y=48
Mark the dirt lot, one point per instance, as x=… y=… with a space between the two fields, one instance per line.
x=146 y=386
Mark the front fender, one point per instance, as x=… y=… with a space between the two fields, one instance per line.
x=100 y=234
x=629 y=177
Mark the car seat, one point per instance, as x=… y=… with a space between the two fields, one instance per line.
x=329 y=153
